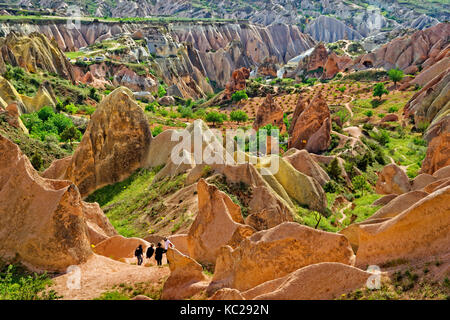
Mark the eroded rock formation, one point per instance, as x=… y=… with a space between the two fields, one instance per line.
x=114 y=145
x=274 y=253
x=392 y=179
x=311 y=129
x=42 y=221
x=219 y=222
x=269 y=113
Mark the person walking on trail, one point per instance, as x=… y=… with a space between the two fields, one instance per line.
x=138 y=253
x=150 y=251
x=168 y=244
x=159 y=251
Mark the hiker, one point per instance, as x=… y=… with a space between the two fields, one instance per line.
x=167 y=244
x=138 y=253
x=150 y=251
x=159 y=254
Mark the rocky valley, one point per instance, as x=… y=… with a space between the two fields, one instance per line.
x=287 y=150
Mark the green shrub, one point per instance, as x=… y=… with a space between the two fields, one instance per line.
x=362 y=162
x=392 y=109
x=419 y=142
x=379 y=90
x=163 y=112
x=173 y=115
x=186 y=112
x=70 y=134
x=215 y=117
x=161 y=91
x=331 y=187
x=36 y=161
x=112 y=295
x=239 y=95
x=360 y=183
x=157 y=130
x=18 y=285
x=369 y=113
x=396 y=75
x=71 y=108
x=150 y=108
x=93 y=94
x=54 y=124
x=238 y=116
x=382 y=137
x=45 y=113
x=89 y=110
x=334 y=170
x=200 y=114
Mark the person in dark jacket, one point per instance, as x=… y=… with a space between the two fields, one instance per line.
x=150 y=251
x=138 y=253
x=159 y=254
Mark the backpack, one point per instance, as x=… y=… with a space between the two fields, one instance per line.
x=137 y=252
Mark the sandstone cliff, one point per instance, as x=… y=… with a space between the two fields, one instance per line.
x=114 y=145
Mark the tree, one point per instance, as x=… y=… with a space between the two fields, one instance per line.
x=396 y=75
x=93 y=94
x=61 y=122
x=369 y=113
x=161 y=91
x=200 y=114
x=45 y=113
x=360 y=183
x=334 y=170
x=186 y=112
x=238 y=116
x=70 y=134
x=239 y=95
x=215 y=117
x=379 y=90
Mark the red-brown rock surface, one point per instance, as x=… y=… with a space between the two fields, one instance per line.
x=269 y=113
x=315 y=118
x=34 y=52
x=267 y=207
x=438 y=154
x=390 y=118
x=119 y=247
x=336 y=64
x=303 y=162
x=409 y=52
x=186 y=277
x=322 y=281
x=317 y=59
x=99 y=227
x=268 y=68
x=57 y=169
x=218 y=221
x=392 y=179
x=274 y=253
x=42 y=221
x=114 y=145
x=237 y=81
x=419 y=232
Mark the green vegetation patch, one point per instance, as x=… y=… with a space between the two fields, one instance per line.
x=128 y=202
x=18 y=284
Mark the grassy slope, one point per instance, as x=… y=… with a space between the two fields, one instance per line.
x=131 y=204
x=29 y=146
